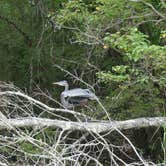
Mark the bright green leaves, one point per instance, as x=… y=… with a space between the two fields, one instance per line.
x=81 y=18
x=131 y=43
x=76 y=13
x=142 y=59
x=120 y=69
x=108 y=77
x=118 y=74
x=140 y=77
x=72 y=12
x=143 y=62
x=89 y=20
x=163 y=34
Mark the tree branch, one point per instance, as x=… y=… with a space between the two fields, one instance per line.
x=154 y=10
x=93 y=126
x=26 y=37
x=38 y=103
x=97 y=127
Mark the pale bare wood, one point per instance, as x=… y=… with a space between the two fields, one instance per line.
x=97 y=127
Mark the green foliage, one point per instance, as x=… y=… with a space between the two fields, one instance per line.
x=144 y=70
x=116 y=45
x=94 y=27
x=108 y=76
x=86 y=32
x=30 y=148
x=131 y=43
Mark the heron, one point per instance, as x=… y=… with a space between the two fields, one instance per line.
x=74 y=97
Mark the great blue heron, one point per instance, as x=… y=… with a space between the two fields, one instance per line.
x=74 y=97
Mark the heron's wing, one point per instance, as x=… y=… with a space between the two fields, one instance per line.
x=86 y=93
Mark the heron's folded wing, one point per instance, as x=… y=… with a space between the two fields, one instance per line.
x=78 y=92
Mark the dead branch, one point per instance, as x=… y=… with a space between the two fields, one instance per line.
x=93 y=126
x=18 y=116
x=38 y=103
x=96 y=127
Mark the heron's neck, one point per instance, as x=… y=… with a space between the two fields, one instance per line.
x=66 y=87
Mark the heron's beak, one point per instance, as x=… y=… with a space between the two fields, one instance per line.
x=55 y=83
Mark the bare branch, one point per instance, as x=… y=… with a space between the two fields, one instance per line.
x=97 y=127
x=20 y=118
x=38 y=103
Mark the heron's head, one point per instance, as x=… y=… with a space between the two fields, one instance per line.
x=61 y=83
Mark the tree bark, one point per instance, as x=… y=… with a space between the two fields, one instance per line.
x=97 y=127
